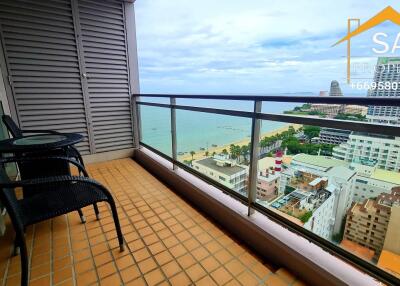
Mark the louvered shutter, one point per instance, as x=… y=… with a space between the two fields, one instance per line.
x=42 y=60
x=105 y=56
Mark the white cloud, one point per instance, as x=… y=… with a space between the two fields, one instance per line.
x=245 y=46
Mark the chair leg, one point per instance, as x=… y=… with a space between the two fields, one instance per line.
x=96 y=211
x=83 y=219
x=24 y=264
x=117 y=225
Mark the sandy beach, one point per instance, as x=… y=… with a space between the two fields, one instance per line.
x=201 y=153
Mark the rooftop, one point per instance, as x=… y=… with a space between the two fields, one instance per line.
x=227 y=170
x=390 y=262
x=168 y=242
x=361 y=251
x=387 y=176
x=318 y=161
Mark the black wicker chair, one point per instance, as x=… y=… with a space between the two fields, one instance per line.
x=44 y=168
x=57 y=196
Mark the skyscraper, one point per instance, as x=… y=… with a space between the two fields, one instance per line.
x=387 y=70
x=335 y=89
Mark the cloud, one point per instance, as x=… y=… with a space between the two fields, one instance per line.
x=259 y=46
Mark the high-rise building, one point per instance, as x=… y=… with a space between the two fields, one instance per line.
x=335 y=89
x=365 y=148
x=387 y=70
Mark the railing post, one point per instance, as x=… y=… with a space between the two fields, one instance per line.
x=137 y=135
x=254 y=153
x=173 y=130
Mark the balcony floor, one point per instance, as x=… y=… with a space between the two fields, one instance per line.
x=168 y=242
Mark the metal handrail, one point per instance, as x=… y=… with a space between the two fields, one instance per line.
x=256 y=115
x=352 y=100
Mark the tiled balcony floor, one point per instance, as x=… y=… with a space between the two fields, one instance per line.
x=168 y=242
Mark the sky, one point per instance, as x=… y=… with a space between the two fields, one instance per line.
x=253 y=47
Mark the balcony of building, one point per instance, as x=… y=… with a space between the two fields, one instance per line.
x=169 y=242
x=71 y=66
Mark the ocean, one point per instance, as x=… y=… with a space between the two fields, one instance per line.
x=197 y=131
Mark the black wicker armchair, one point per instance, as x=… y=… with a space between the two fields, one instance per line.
x=56 y=196
x=46 y=167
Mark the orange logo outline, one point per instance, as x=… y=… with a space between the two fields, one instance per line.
x=387 y=14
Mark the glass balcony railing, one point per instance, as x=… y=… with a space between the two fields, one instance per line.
x=301 y=161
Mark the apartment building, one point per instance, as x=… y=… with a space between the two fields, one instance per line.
x=366 y=147
x=367 y=222
x=268 y=185
x=332 y=136
x=372 y=181
x=223 y=170
x=388 y=70
x=303 y=173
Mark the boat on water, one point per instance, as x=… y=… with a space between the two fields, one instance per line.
x=214 y=145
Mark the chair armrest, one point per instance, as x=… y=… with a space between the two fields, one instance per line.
x=49 y=180
x=57 y=158
x=40 y=131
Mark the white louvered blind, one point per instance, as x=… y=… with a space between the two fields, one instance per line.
x=46 y=63
x=105 y=56
x=40 y=48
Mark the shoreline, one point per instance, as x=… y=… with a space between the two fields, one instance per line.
x=201 y=153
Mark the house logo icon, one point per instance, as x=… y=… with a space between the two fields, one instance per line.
x=387 y=14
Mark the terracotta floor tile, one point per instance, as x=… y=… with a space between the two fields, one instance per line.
x=106 y=270
x=130 y=273
x=83 y=266
x=235 y=267
x=275 y=280
x=62 y=275
x=41 y=270
x=195 y=272
x=44 y=281
x=147 y=265
x=206 y=281
x=210 y=264
x=86 y=278
x=154 y=277
x=137 y=282
x=141 y=254
x=124 y=262
x=200 y=253
x=223 y=256
x=102 y=258
x=247 y=279
x=163 y=257
x=261 y=270
x=112 y=280
x=221 y=276
x=177 y=250
x=171 y=268
x=180 y=279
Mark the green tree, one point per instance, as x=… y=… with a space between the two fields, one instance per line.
x=206 y=153
x=305 y=217
x=311 y=131
x=225 y=152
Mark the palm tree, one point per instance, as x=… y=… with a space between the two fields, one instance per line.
x=206 y=153
x=225 y=152
x=214 y=153
x=192 y=154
